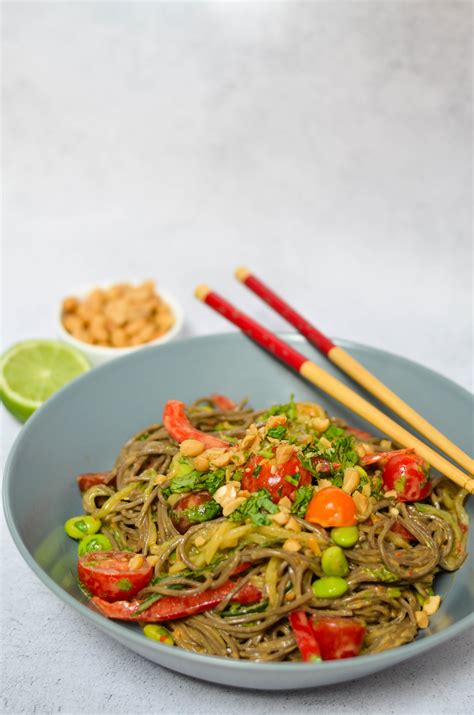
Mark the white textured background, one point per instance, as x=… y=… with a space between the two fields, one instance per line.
x=325 y=144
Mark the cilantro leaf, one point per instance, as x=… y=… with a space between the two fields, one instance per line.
x=289 y=410
x=278 y=432
x=256 y=508
x=202 y=512
x=196 y=481
x=333 y=431
x=302 y=498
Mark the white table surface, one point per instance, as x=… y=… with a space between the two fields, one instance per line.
x=328 y=146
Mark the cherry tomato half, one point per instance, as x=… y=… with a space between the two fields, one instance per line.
x=338 y=637
x=108 y=574
x=408 y=476
x=180 y=428
x=179 y=518
x=282 y=482
x=223 y=402
x=331 y=506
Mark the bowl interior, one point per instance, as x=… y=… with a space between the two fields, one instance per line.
x=82 y=428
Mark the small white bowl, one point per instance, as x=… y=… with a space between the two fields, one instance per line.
x=99 y=354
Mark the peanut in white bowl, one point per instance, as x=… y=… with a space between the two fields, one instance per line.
x=100 y=354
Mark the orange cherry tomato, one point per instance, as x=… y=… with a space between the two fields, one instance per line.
x=331 y=507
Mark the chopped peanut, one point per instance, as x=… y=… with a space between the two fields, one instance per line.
x=136 y=562
x=161 y=479
x=221 y=460
x=391 y=494
x=201 y=463
x=362 y=504
x=320 y=424
x=191 y=448
x=199 y=541
x=283 y=453
x=232 y=505
x=290 y=596
x=323 y=483
x=227 y=493
x=281 y=518
x=284 y=503
x=292 y=524
x=422 y=619
x=153 y=560
x=351 y=480
x=367 y=490
x=291 y=545
x=431 y=605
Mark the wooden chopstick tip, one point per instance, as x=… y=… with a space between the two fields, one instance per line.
x=202 y=291
x=242 y=273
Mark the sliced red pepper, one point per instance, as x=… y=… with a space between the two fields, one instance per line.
x=223 y=402
x=305 y=638
x=180 y=428
x=92 y=479
x=374 y=457
x=172 y=607
x=338 y=637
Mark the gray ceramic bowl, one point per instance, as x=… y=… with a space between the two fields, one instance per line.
x=82 y=427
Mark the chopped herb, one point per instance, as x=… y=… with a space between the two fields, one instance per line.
x=195 y=482
x=278 y=432
x=394 y=592
x=267 y=453
x=143 y=437
x=292 y=480
x=235 y=609
x=203 y=512
x=124 y=584
x=256 y=508
x=342 y=451
x=256 y=470
x=289 y=410
x=333 y=431
x=302 y=498
x=337 y=480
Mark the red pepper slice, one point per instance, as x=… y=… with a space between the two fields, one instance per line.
x=180 y=428
x=92 y=479
x=305 y=638
x=171 y=607
x=359 y=433
x=223 y=402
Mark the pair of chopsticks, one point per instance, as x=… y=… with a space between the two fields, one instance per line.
x=336 y=389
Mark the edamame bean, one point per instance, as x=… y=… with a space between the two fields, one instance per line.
x=334 y=562
x=345 y=536
x=330 y=587
x=158 y=633
x=94 y=542
x=79 y=526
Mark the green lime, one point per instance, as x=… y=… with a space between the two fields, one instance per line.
x=31 y=371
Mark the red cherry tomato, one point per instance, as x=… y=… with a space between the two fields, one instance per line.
x=180 y=428
x=281 y=482
x=107 y=574
x=331 y=506
x=405 y=474
x=178 y=517
x=338 y=637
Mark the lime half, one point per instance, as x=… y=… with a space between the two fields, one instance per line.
x=31 y=371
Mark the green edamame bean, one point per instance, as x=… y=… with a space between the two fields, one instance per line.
x=345 y=536
x=330 y=587
x=158 y=633
x=94 y=542
x=79 y=526
x=334 y=562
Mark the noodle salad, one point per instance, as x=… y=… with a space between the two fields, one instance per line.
x=275 y=535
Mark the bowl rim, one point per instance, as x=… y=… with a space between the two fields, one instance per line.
x=133 y=638
x=108 y=352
